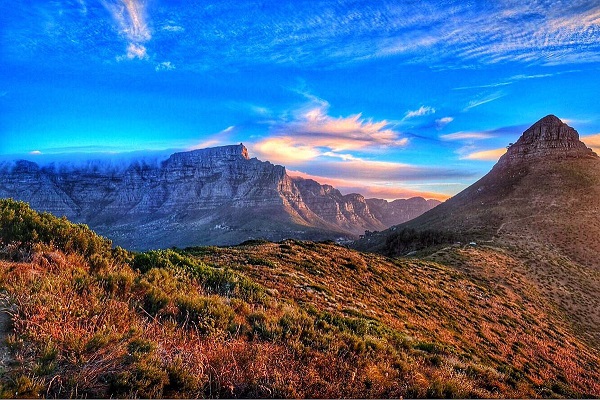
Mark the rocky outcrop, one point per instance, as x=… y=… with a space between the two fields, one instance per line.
x=547 y=138
x=210 y=196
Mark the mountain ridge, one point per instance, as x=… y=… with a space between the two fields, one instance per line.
x=207 y=196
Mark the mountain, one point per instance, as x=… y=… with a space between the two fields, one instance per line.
x=210 y=196
x=541 y=201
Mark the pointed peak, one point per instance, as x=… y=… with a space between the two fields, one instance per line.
x=548 y=138
x=549 y=119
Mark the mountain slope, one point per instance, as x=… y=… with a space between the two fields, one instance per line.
x=542 y=201
x=209 y=196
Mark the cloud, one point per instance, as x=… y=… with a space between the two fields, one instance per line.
x=370 y=190
x=311 y=132
x=592 y=141
x=172 y=28
x=286 y=150
x=217 y=139
x=423 y=110
x=134 y=51
x=35 y=152
x=130 y=16
x=165 y=66
x=466 y=136
x=442 y=122
x=485 y=155
x=381 y=171
x=483 y=100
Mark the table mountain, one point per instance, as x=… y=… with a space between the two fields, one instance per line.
x=210 y=196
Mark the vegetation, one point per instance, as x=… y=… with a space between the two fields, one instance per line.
x=405 y=240
x=290 y=319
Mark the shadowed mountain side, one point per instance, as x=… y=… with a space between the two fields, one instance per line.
x=209 y=196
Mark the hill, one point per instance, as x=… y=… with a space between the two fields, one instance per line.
x=209 y=196
x=541 y=202
x=288 y=319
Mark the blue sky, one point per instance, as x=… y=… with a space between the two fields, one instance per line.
x=387 y=98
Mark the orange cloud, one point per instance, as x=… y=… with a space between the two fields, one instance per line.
x=486 y=155
x=285 y=150
x=370 y=190
x=313 y=133
x=592 y=141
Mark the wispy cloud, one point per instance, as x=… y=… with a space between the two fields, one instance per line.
x=217 y=139
x=466 y=136
x=369 y=189
x=483 y=100
x=442 y=122
x=165 y=66
x=130 y=17
x=485 y=155
x=421 y=111
x=329 y=34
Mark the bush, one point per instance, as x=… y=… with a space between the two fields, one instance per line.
x=23 y=229
x=208 y=314
x=408 y=239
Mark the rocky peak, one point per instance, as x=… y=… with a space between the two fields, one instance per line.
x=547 y=138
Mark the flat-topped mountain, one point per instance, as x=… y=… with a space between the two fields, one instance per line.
x=210 y=196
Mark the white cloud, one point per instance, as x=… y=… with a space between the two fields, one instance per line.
x=130 y=16
x=466 y=136
x=442 y=122
x=173 y=28
x=165 y=66
x=483 y=100
x=35 y=152
x=134 y=51
x=423 y=110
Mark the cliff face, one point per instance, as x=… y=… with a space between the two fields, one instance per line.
x=209 y=196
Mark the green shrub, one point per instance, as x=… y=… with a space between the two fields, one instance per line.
x=208 y=314
x=24 y=228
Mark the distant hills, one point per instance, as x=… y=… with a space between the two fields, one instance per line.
x=216 y=196
x=541 y=201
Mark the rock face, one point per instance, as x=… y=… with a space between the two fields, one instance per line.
x=210 y=196
x=548 y=138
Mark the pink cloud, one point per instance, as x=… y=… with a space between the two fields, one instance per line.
x=486 y=155
x=369 y=190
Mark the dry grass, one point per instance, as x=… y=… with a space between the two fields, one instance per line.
x=290 y=319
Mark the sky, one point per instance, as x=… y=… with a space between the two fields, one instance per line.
x=390 y=99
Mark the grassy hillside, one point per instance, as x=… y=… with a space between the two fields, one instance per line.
x=289 y=319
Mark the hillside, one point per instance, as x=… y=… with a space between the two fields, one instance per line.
x=540 y=202
x=210 y=196
x=288 y=319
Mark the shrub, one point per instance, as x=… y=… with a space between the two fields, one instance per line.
x=208 y=314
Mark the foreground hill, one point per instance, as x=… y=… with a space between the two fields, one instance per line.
x=209 y=196
x=541 y=201
x=288 y=319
